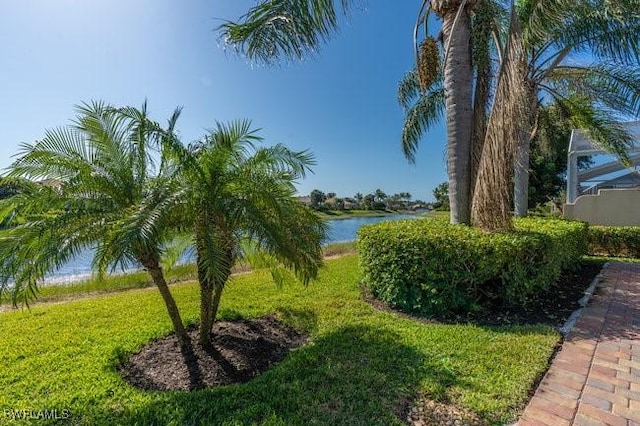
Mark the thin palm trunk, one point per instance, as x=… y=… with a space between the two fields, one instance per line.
x=491 y=199
x=481 y=99
x=206 y=314
x=154 y=269
x=522 y=159
x=211 y=287
x=481 y=102
x=210 y=294
x=458 y=83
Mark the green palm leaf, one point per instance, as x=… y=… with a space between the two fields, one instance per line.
x=277 y=29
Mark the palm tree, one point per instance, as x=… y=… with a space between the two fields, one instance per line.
x=108 y=194
x=380 y=195
x=359 y=198
x=239 y=200
x=555 y=34
x=593 y=92
x=292 y=28
x=424 y=104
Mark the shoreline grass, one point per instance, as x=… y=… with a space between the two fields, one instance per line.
x=360 y=367
x=140 y=279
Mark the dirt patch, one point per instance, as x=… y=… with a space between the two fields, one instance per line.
x=242 y=350
x=427 y=412
x=552 y=307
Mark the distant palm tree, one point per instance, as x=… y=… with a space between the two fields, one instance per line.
x=380 y=195
x=238 y=200
x=359 y=198
x=293 y=28
x=110 y=194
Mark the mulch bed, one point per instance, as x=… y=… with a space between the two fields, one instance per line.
x=242 y=350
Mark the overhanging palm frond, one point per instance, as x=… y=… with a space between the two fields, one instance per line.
x=408 y=89
x=603 y=127
x=425 y=113
x=615 y=87
x=29 y=251
x=277 y=29
x=603 y=29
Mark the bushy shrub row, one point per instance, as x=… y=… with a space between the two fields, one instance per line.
x=617 y=241
x=430 y=267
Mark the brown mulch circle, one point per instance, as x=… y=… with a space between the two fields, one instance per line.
x=242 y=350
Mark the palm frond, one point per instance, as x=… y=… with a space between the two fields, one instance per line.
x=603 y=127
x=408 y=89
x=289 y=29
x=426 y=112
x=615 y=87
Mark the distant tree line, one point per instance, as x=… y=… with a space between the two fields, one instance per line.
x=376 y=200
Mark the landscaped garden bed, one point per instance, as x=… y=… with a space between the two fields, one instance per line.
x=360 y=367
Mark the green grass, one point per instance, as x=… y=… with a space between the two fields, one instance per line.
x=360 y=366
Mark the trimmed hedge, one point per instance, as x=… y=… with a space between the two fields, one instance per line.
x=616 y=241
x=430 y=267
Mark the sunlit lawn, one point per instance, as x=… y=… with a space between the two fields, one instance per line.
x=360 y=366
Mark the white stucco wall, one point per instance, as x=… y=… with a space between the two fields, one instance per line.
x=611 y=207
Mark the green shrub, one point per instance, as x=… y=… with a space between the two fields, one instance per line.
x=430 y=267
x=616 y=241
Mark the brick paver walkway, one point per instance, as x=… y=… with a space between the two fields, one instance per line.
x=595 y=378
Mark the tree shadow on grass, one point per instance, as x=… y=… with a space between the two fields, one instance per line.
x=356 y=375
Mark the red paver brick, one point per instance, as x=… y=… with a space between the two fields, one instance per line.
x=611 y=397
x=595 y=378
x=547 y=418
x=559 y=398
x=525 y=421
x=625 y=412
x=596 y=401
x=603 y=416
x=583 y=420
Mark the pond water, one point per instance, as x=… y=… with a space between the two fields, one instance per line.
x=343 y=230
x=340 y=230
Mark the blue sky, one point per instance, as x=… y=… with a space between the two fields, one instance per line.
x=340 y=104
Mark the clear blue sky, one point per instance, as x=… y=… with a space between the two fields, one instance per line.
x=341 y=104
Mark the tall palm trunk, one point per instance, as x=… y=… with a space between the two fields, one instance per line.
x=481 y=101
x=458 y=84
x=491 y=199
x=152 y=265
x=522 y=157
x=482 y=96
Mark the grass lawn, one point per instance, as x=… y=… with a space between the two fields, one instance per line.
x=361 y=365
